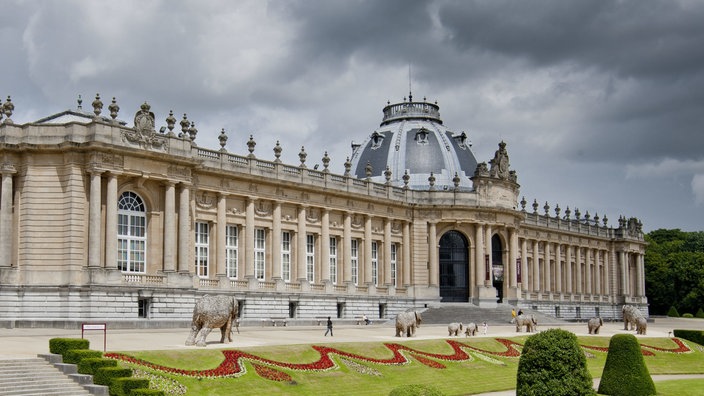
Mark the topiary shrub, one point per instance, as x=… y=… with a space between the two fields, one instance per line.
x=625 y=372
x=672 y=312
x=59 y=346
x=105 y=375
x=553 y=363
x=415 y=390
x=146 y=392
x=74 y=356
x=687 y=315
x=91 y=365
x=123 y=386
x=691 y=335
x=700 y=313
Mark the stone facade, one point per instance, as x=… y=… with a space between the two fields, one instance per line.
x=101 y=221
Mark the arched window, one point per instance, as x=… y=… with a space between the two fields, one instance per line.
x=131 y=233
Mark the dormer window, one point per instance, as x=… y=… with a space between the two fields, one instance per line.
x=461 y=140
x=422 y=136
x=377 y=140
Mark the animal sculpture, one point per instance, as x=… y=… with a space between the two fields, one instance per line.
x=528 y=321
x=471 y=329
x=406 y=323
x=454 y=329
x=641 y=325
x=630 y=316
x=211 y=312
x=594 y=324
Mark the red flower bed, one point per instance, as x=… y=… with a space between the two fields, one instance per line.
x=232 y=365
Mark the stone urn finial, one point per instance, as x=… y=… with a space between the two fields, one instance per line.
x=456 y=179
x=170 y=122
x=185 y=124
x=97 y=105
x=523 y=204
x=114 y=109
x=368 y=170
x=250 y=146
x=326 y=162
x=192 y=131
x=406 y=178
x=387 y=175
x=535 y=206
x=223 y=139
x=348 y=166
x=431 y=181
x=302 y=155
x=277 y=152
x=546 y=208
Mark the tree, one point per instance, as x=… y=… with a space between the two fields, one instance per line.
x=625 y=372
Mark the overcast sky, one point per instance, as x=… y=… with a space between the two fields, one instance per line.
x=601 y=103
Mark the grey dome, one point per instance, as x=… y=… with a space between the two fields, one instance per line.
x=413 y=139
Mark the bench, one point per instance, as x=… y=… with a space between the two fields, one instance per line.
x=275 y=321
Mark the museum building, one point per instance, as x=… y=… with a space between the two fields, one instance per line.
x=102 y=221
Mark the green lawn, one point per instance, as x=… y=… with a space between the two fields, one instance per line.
x=479 y=365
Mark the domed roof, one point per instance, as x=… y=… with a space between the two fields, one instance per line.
x=412 y=139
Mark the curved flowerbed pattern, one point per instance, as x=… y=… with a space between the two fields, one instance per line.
x=232 y=365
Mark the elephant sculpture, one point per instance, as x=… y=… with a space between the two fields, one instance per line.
x=471 y=329
x=212 y=312
x=454 y=329
x=630 y=317
x=594 y=324
x=406 y=323
x=641 y=325
x=528 y=321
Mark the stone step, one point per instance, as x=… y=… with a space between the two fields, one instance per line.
x=36 y=376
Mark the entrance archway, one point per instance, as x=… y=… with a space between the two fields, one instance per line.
x=454 y=267
x=497 y=267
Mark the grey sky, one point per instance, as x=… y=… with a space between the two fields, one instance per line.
x=601 y=103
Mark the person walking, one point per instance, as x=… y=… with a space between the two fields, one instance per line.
x=485 y=327
x=513 y=315
x=329 y=330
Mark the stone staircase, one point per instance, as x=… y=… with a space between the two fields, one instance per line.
x=444 y=313
x=45 y=376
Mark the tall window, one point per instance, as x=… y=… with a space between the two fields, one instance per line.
x=310 y=257
x=333 y=260
x=392 y=275
x=202 y=248
x=259 y=253
x=375 y=263
x=131 y=233
x=286 y=256
x=231 y=239
x=354 y=260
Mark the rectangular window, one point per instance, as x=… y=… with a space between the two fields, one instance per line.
x=231 y=239
x=310 y=257
x=202 y=248
x=286 y=256
x=333 y=260
x=375 y=263
x=354 y=260
x=392 y=275
x=259 y=253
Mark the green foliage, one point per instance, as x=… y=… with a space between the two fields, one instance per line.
x=700 y=313
x=146 y=392
x=625 y=372
x=59 y=346
x=105 y=375
x=74 y=356
x=415 y=390
x=552 y=363
x=91 y=365
x=672 y=312
x=691 y=335
x=123 y=386
x=687 y=315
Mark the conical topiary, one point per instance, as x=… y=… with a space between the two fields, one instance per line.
x=700 y=313
x=625 y=372
x=672 y=312
x=552 y=363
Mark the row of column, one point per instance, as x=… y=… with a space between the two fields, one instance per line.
x=6 y=216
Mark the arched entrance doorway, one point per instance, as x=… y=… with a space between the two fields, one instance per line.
x=454 y=267
x=497 y=267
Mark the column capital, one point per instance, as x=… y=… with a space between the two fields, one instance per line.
x=7 y=168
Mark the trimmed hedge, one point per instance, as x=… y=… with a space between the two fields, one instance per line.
x=625 y=372
x=415 y=390
x=59 y=346
x=91 y=365
x=74 y=356
x=691 y=335
x=673 y=312
x=552 y=363
x=700 y=313
x=123 y=386
x=687 y=315
x=105 y=375
x=146 y=392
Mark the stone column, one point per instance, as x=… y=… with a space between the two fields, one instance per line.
x=558 y=269
x=249 y=239
x=276 y=241
x=301 y=245
x=640 y=268
x=512 y=256
x=386 y=280
x=588 y=268
x=6 y=216
x=94 y=219
x=525 y=276
x=325 y=246
x=184 y=230
x=606 y=286
x=433 y=254
x=547 y=268
x=169 y=226
x=367 y=273
x=536 y=266
x=220 y=261
x=406 y=258
x=111 y=224
x=347 y=248
x=578 y=267
x=624 y=272
x=568 y=269
x=479 y=263
x=488 y=250
x=597 y=273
